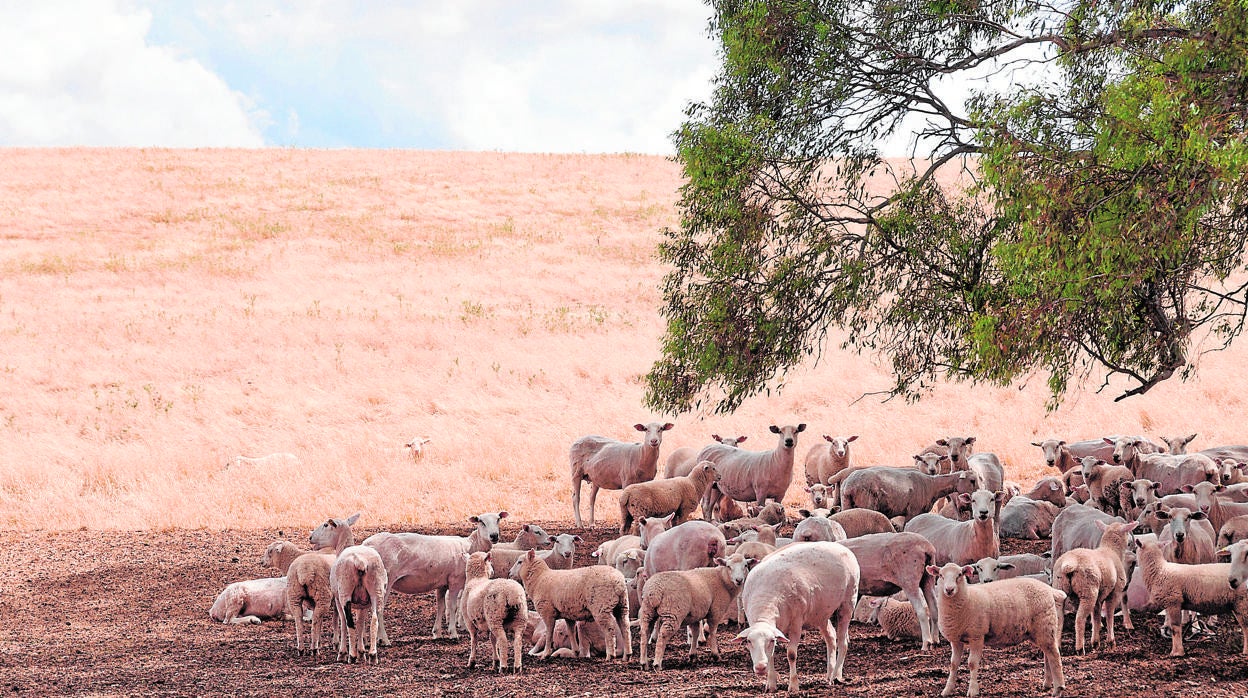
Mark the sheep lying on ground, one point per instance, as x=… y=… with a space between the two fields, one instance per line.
x=609 y=551
x=997 y=615
x=811 y=585
x=819 y=496
x=252 y=601
x=494 y=606
x=990 y=569
x=357 y=577
x=270 y=461
x=896 y=618
x=1029 y=519
x=769 y=514
x=818 y=527
x=1175 y=588
x=1097 y=578
x=862 y=522
x=683 y=599
x=678 y=496
x=594 y=593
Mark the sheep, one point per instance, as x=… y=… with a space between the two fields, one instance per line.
x=678 y=496
x=529 y=537
x=280 y=554
x=1076 y=527
x=418 y=564
x=609 y=551
x=1218 y=510
x=963 y=542
x=609 y=464
x=815 y=527
x=1073 y=480
x=1191 y=533
x=1232 y=531
x=651 y=528
x=1177 y=445
x=272 y=460
x=251 y=601
x=416 y=447
x=308 y=578
x=818 y=495
x=930 y=463
x=1027 y=519
x=560 y=556
x=802 y=586
x=357 y=577
x=1231 y=470
x=496 y=606
x=897 y=562
x=987 y=466
x=861 y=522
x=1236 y=554
x=901 y=491
x=1201 y=588
x=594 y=593
x=682 y=460
x=752 y=475
x=688 y=546
x=998 y=615
x=1128 y=449
x=896 y=618
x=1172 y=472
x=728 y=509
x=1057 y=454
x=1097 y=578
x=826 y=459
x=769 y=515
x=1239 y=452
x=685 y=598
x=1136 y=495
x=1048 y=489
x=1104 y=480
x=990 y=569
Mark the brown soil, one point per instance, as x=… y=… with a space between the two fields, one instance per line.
x=125 y=613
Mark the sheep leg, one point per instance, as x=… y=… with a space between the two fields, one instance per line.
x=972 y=663
x=626 y=629
x=1098 y=607
x=829 y=642
x=791 y=651
x=439 y=606
x=576 y=498
x=843 y=617
x=452 y=612
x=372 y=625
x=381 y=619
x=955 y=663
x=709 y=501
x=549 y=619
x=667 y=627
x=645 y=619
x=298 y=614
x=606 y=625
x=1174 y=621
x=1053 y=677
x=1107 y=607
x=772 y=675
x=713 y=642
x=593 y=501
x=517 y=633
x=1081 y=619
x=933 y=611
x=500 y=645
x=920 y=611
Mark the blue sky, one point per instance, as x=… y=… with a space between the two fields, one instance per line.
x=531 y=76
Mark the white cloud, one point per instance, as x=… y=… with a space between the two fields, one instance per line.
x=83 y=74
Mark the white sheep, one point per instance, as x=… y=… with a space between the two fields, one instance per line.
x=1193 y=535
x=817 y=526
x=307 y=580
x=752 y=476
x=418 y=564
x=963 y=542
x=609 y=464
x=280 y=554
x=677 y=495
x=768 y=515
x=529 y=537
x=1137 y=494
x=358 y=577
x=896 y=618
x=1175 y=588
x=1058 y=455
x=1177 y=445
x=494 y=606
x=897 y=562
x=990 y=569
x=684 y=598
x=251 y=601
x=997 y=615
x=901 y=491
x=682 y=460
x=1097 y=577
x=609 y=551
x=824 y=460
x=272 y=460
x=819 y=496
x=1029 y=519
x=811 y=585
x=1233 y=530
x=416 y=447
x=594 y=593
x=727 y=509
x=1105 y=482
x=862 y=522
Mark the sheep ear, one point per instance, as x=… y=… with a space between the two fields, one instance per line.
x=835 y=508
x=474 y=518
x=941 y=442
x=639 y=427
x=1005 y=565
x=1101 y=525
x=806 y=513
x=667 y=426
x=1224 y=554
x=964 y=498
x=775 y=429
x=1186 y=488
x=918 y=458
x=781 y=638
x=721 y=562
x=531 y=554
x=1054 y=486
x=1108 y=440
x=1124 y=486
x=801 y=427
x=1157 y=488
x=933 y=570
x=852 y=438
x=1037 y=444
x=1061 y=443
x=967 y=571
x=576 y=539
x=828 y=438
x=969 y=440
x=741 y=439
x=526 y=528
x=744 y=636
x=353 y=518
x=717 y=437
x=806 y=489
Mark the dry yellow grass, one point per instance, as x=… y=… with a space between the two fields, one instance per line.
x=162 y=311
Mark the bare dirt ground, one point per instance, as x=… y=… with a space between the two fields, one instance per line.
x=125 y=613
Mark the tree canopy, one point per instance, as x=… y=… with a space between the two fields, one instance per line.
x=1079 y=215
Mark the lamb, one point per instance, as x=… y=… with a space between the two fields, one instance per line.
x=251 y=601
x=897 y=562
x=1097 y=578
x=1104 y=482
x=308 y=579
x=1232 y=531
x=826 y=459
x=416 y=447
x=594 y=593
x=496 y=606
x=609 y=551
x=815 y=528
x=990 y=569
x=963 y=542
x=1191 y=533
x=686 y=598
x=861 y=522
x=678 y=496
x=1201 y=588
x=802 y=586
x=357 y=577
x=896 y=618
x=688 y=546
x=418 y=564
x=609 y=464
x=1177 y=445
x=901 y=491
x=930 y=463
x=752 y=475
x=280 y=554
x=998 y=615
x=682 y=460
x=1136 y=495
x=818 y=495
x=1076 y=527
x=561 y=556
x=1028 y=519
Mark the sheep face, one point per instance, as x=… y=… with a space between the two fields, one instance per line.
x=1124 y=448
x=651 y=527
x=542 y=537
x=818 y=495
x=788 y=434
x=929 y=463
x=328 y=534
x=960 y=449
x=989 y=569
x=983 y=503
x=1052 y=449
x=738 y=567
x=1238 y=552
x=761 y=639
x=1178 y=444
x=840 y=444
x=1204 y=492
x=1177 y=520
x=654 y=433
x=487 y=525
x=951 y=579
x=1142 y=491
x=565 y=545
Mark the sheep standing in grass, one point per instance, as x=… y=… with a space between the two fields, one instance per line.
x=307 y=580
x=811 y=585
x=251 y=601
x=609 y=464
x=1097 y=578
x=685 y=598
x=357 y=577
x=594 y=593
x=678 y=496
x=1175 y=588
x=496 y=606
x=1001 y=614
x=824 y=460
x=752 y=476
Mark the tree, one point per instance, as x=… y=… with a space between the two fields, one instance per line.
x=1088 y=222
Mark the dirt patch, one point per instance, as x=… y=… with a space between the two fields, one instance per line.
x=125 y=613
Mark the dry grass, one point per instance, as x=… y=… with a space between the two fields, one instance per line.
x=162 y=311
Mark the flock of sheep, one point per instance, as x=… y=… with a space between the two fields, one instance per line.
x=1135 y=526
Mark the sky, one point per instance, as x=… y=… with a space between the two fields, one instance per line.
x=592 y=76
